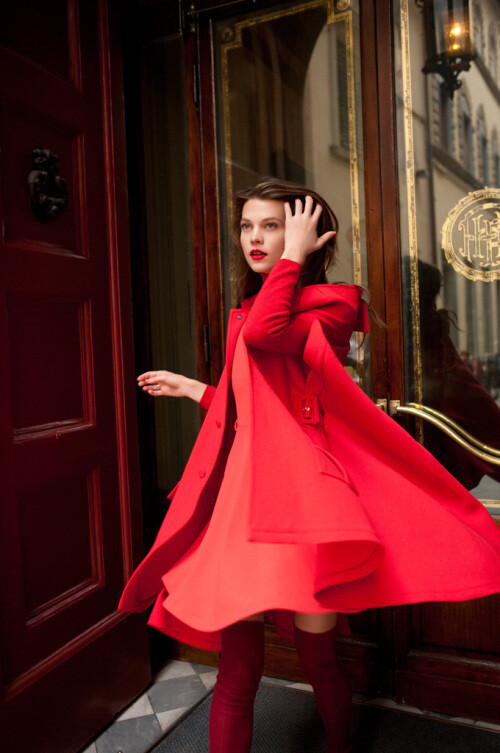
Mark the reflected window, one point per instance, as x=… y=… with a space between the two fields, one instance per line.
x=482 y=148
x=478 y=28
x=343 y=111
x=465 y=121
x=495 y=160
x=445 y=120
x=492 y=51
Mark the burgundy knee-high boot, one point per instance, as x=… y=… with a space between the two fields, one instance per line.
x=317 y=655
x=241 y=665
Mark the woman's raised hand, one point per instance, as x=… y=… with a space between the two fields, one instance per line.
x=168 y=384
x=301 y=230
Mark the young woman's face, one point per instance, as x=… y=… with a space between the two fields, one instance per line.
x=262 y=233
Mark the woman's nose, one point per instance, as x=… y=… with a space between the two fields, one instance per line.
x=256 y=236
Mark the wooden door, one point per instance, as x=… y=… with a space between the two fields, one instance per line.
x=71 y=518
x=252 y=115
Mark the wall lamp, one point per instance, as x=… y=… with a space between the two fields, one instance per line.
x=449 y=46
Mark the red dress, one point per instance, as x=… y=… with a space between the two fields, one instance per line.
x=223 y=577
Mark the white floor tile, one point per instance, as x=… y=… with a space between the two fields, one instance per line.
x=174 y=669
x=208 y=679
x=301 y=686
x=167 y=718
x=140 y=707
x=488 y=725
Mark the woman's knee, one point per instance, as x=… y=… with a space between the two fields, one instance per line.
x=316 y=623
x=241 y=662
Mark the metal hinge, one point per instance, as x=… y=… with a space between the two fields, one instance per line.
x=206 y=342
x=187 y=17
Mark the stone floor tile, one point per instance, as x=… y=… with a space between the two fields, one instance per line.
x=302 y=686
x=174 y=668
x=168 y=718
x=203 y=668
x=129 y=736
x=176 y=693
x=489 y=726
x=208 y=679
x=140 y=707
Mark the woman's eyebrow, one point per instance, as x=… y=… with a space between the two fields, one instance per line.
x=266 y=219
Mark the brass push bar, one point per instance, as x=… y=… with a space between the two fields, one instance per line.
x=460 y=436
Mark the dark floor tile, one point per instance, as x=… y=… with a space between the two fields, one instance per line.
x=130 y=735
x=177 y=692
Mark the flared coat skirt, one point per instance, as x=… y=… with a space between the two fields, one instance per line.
x=223 y=577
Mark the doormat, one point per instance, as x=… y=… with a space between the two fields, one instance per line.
x=287 y=721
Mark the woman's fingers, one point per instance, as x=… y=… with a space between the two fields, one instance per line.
x=158 y=383
x=325 y=238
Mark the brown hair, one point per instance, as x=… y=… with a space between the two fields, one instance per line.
x=316 y=264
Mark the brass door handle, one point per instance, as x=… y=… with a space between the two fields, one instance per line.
x=453 y=430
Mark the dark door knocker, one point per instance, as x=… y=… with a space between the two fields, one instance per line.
x=47 y=190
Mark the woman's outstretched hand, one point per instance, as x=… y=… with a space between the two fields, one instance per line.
x=301 y=230
x=168 y=384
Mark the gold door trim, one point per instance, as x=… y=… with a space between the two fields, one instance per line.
x=412 y=208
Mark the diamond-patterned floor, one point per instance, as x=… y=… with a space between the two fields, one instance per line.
x=181 y=686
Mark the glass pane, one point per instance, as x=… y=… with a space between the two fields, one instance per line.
x=450 y=210
x=289 y=105
x=168 y=237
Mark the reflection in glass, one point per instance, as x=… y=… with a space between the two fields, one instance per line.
x=289 y=106
x=450 y=211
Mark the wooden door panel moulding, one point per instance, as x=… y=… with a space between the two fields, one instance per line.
x=390 y=199
x=197 y=197
x=115 y=176
x=373 y=192
x=212 y=207
x=448 y=695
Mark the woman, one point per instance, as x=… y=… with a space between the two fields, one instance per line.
x=300 y=499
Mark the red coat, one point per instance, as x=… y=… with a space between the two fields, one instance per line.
x=392 y=525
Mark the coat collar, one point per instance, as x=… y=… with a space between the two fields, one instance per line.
x=315 y=296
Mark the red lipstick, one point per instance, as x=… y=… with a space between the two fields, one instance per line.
x=257 y=254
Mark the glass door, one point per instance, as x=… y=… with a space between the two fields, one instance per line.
x=281 y=93
x=447 y=96
x=289 y=105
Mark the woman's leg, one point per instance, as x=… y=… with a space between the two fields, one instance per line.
x=241 y=665
x=315 y=641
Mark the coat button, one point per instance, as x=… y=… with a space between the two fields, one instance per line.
x=239 y=316
x=202 y=474
x=218 y=423
x=307 y=407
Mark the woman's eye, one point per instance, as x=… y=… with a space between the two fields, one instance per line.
x=271 y=224
x=244 y=226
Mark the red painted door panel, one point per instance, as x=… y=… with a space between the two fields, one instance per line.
x=70 y=528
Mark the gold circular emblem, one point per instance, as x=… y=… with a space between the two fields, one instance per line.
x=470 y=236
x=343 y=4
